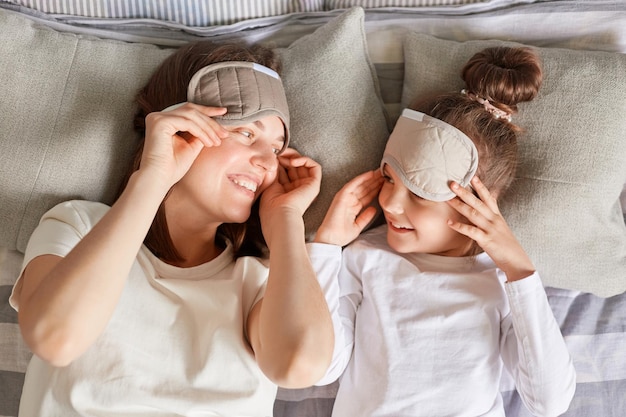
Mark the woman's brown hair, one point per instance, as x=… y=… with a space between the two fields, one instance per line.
x=504 y=76
x=168 y=86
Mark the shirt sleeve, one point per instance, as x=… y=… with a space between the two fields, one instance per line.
x=58 y=231
x=533 y=350
x=327 y=263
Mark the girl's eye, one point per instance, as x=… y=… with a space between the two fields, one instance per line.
x=277 y=150
x=388 y=179
x=245 y=133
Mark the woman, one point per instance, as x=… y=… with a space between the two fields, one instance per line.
x=150 y=306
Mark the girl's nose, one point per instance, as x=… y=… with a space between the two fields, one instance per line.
x=392 y=201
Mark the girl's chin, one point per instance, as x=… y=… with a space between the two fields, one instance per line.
x=400 y=247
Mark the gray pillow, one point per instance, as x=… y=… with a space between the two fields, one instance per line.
x=66 y=129
x=335 y=107
x=67 y=106
x=564 y=205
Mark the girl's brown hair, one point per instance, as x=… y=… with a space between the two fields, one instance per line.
x=505 y=76
x=168 y=86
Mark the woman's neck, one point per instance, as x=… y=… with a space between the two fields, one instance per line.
x=192 y=236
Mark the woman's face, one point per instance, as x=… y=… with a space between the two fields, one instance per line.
x=416 y=225
x=224 y=181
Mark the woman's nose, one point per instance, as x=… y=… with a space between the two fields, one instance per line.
x=265 y=157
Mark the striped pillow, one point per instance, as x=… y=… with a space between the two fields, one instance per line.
x=371 y=4
x=188 y=12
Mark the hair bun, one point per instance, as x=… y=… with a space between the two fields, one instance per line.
x=504 y=75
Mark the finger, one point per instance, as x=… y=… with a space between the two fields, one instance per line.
x=365 y=218
x=203 y=117
x=368 y=178
x=282 y=176
x=289 y=153
x=470 y=213
x=210 y=110
x=485 y=195
x=300 y=167
x=184 y=128
x=292 y=171
x=367 y=191
x=372 y=190
x=476 y=206
x=468 y=230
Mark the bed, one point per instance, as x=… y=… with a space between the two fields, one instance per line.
x=70 y=69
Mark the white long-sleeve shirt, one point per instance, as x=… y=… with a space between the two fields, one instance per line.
x=427 y=335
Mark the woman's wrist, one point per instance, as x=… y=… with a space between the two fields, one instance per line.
x=282 y=220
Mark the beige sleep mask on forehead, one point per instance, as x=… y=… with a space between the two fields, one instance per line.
x=427 y=153
x=248 y=90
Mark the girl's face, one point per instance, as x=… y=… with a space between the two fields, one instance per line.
x=416 y=225
x=224 y=181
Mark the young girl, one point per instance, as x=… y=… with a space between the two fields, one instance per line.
x=433 y=305
x=148 y=307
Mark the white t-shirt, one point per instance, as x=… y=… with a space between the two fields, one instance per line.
x=175 y=345
x=427 y=335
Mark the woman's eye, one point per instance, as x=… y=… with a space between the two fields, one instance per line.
x=245 y=133
x=388 y=179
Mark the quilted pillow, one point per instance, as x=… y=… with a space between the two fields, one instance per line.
x=564 y=204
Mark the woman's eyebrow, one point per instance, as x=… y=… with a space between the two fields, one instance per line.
x=260 y=125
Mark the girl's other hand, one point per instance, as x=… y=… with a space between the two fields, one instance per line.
x=489 y=229
x=175 y=137
x=350 y=211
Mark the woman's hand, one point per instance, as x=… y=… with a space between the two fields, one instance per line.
x=296 y=186
x=175 y=137
x=489 y=229
x=350 y=211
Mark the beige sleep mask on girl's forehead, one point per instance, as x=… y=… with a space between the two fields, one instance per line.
x=427 y=153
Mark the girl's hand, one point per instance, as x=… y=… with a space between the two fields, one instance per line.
x=296 y=186
x=175 y=137
x=350 y=211
x=489 y=229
